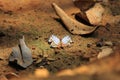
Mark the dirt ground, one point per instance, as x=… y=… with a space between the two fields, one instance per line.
x=37 y=21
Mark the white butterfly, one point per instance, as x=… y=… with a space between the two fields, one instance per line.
x=56 y=42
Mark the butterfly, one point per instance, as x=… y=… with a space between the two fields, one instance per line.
x=56 y=42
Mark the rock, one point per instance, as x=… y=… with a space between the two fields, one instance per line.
x=106 y=51
x=21 y=55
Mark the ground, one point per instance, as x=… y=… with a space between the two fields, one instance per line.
x=37 y=21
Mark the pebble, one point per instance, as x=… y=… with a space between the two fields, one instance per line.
x=106 y=51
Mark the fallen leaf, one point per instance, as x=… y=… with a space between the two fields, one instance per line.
x=21 y=55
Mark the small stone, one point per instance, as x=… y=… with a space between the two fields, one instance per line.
x=106 y=51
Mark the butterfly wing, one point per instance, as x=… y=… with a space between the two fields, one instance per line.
x=66 y=41
x=55 y=41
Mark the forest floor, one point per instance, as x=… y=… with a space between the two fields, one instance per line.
x=37 y=21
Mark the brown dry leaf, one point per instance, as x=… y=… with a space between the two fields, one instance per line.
x=21 y=55
x=95 y=14
x=72 y=25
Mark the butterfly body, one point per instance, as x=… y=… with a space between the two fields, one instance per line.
x=56 y=42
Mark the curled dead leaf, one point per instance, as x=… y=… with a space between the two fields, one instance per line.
x=95 y=14
x=21 y=55
x=72 y=25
